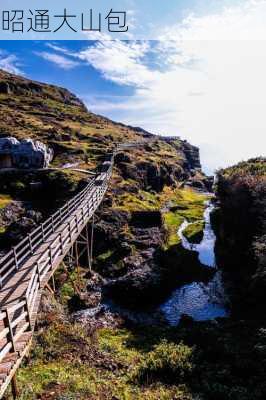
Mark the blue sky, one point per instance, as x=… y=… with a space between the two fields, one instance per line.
x=83 y=79
x=202 y=79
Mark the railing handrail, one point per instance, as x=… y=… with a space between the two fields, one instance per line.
x=29 y=241
x=16 y=326
x=71 y=218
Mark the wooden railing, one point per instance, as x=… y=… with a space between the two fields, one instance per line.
x=47 y=245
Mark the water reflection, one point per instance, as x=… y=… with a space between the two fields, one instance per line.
x=198 y=300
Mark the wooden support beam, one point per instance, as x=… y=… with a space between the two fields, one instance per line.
x=9 y=326
x=53 y=283
x=88 y=247
x=28 y=314
x=92 y=238
x=49 y=288
x=14 y=387
x=77 y=262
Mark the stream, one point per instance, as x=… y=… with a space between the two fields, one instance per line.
x=200 y=301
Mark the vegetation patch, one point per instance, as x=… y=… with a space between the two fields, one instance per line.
x=185 y=204
x=173 y=221
x=194 y=232
x=4 y=200
x=168 y=362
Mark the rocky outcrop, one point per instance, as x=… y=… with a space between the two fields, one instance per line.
x=240 y=230
x=192 y=155
x=19 y=86
x=24 y=154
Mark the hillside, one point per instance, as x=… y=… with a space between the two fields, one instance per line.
x=138 y=258
x=59 y=118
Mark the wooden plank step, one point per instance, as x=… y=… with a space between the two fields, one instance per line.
x=5 y=367
x=20 y=346
x=25 y=336
x=11 y=357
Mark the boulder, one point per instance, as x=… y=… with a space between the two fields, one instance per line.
x=24 y=154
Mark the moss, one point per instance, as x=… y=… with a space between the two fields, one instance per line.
x=142 y=201
x=194 y=232
x=104 y=256
x=4 y=200
x=172 y=220
x=186 y=204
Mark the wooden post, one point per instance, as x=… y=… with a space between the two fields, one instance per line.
x=14 y=387
x=15 y=257
x=38 y=272
x=61 y=243
x=77 y=224
x=77 y=262
x=11 y=336
x=52 y=223
x=53 y=283
x=83 y=219
x=30 y=243
x=49 y=288
x=88 y=247
x=69 y=228
x=50 y=255
x=28 y=312
x=43 y=236
x=91 y=243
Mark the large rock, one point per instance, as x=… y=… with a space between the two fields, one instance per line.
x=24 y=154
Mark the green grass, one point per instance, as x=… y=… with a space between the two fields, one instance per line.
x=142 y=201
x=166 y=362
x=66 y=361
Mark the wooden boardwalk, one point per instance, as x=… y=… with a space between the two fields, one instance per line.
x=27 y=268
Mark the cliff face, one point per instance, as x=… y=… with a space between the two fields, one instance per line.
x=241 y=191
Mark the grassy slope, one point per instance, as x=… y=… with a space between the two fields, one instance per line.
x=71 y=364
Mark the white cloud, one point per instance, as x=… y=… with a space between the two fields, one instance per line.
x=245 y=21
x=121 y=62
x=61 y=61
x=57 y=48
x=209 y=86
x=10 y=63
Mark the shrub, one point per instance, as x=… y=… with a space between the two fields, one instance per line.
x=167 y=362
